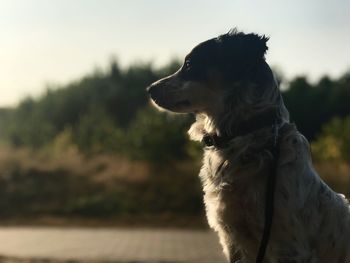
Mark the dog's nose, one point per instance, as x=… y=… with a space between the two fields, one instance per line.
x=153 y=90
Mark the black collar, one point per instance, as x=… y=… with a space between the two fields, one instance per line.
x=210 y=140
x=265 y=120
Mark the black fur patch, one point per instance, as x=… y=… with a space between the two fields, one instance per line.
x=234 y=54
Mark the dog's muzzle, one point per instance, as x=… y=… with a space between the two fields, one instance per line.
x=156 y=93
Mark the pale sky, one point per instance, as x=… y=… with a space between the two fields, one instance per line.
x=58 y=41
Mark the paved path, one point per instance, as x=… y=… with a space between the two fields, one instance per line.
x=114 y=244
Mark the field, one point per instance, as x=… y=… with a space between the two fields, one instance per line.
x=107 y=189
x=72 y=189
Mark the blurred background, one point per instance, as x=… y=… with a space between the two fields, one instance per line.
x=80 y=145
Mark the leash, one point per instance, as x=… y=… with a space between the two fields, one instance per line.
x=270 y=196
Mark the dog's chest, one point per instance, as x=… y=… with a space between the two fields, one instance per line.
x=233 y=196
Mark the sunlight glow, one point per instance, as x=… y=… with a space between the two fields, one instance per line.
x=61 y=40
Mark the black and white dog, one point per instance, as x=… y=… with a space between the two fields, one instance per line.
x=227 y=83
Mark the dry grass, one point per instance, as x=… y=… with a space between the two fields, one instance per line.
x=68 y=188
x=103 y=167
x=336 y=175
x=40 y=185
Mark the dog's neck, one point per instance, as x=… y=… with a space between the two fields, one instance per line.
x=233 y=120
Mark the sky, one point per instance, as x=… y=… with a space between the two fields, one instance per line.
x=54 y=42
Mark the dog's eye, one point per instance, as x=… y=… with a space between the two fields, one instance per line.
x=187 y=64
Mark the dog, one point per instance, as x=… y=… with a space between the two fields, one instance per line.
x=227 y=83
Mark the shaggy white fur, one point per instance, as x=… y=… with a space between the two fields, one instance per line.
x=311 y=223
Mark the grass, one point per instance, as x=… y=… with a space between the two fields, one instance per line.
x=336 y=174
x=68 y=188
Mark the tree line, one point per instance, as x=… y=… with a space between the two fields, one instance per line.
x=108 y=111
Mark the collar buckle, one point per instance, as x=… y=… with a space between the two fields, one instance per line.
x=209 y=140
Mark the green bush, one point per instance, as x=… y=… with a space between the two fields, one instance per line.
x=156 y=136
x=312 y=105
x=333 y=144
x=95 y=132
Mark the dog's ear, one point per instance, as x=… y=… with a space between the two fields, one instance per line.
x=247 y=47
x=256 y=45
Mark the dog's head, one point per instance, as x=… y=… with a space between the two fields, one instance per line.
x=214 y=70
